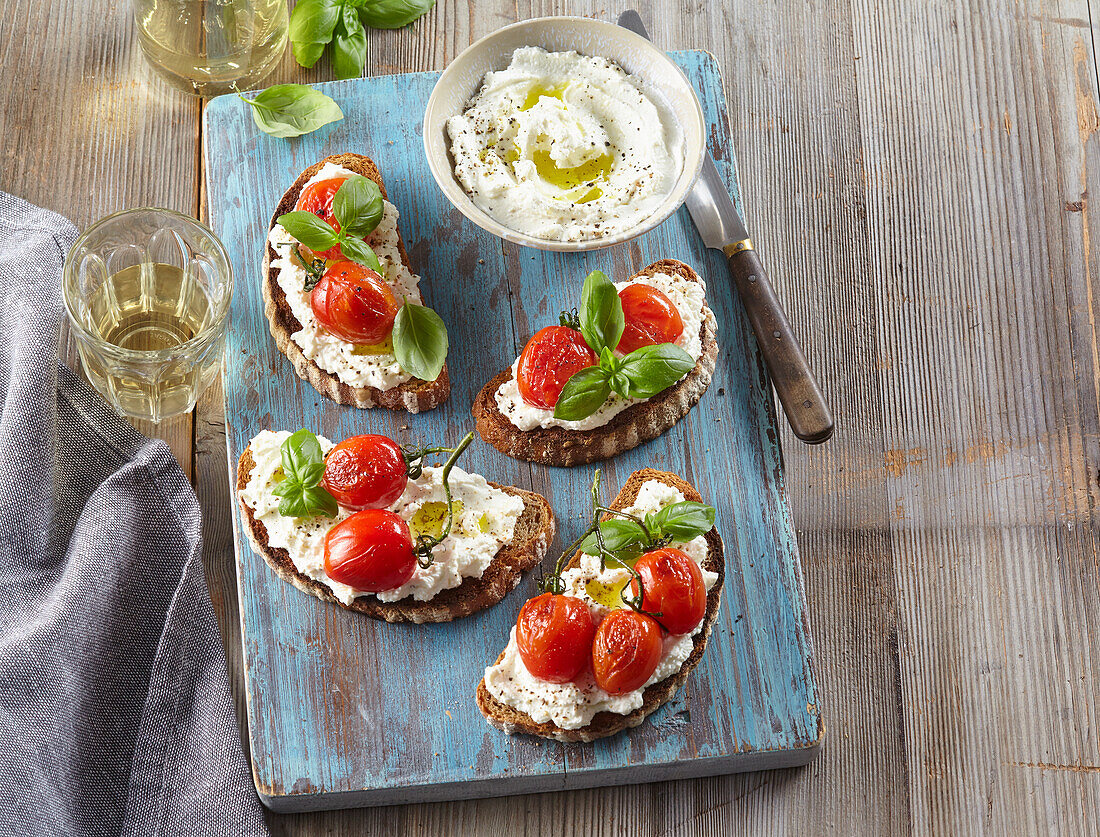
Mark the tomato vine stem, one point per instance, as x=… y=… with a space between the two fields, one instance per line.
x=553 y=582
x=426 y=543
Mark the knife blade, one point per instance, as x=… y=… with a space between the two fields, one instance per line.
x=721 y=228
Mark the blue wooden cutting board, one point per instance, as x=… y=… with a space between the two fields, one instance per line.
x=347 y=711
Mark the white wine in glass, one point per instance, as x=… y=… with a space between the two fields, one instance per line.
x=209 y=47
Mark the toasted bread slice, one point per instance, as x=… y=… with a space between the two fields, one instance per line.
x=533 y=534
x=414 y=395
x=603 y=724
x=636 y=424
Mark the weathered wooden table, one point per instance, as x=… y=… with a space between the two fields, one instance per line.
x=917 y=175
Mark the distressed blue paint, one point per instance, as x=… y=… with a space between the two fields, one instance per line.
x=344 y=710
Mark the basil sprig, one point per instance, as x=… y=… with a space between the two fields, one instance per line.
x=420 y=341
x=300 y=493
x=290 y=110
x=314 y=24
x=641 y=374
x=357 y=206
x=627 y=537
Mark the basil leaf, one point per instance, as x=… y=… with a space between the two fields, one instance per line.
x=301 y=494
x=312 y=21
x=652 y=369
x=601 y=312
x=682 y=521
x=320 y=502
x=357 y=206
x=303 y=459
x=361 y=253
x=309 y=230
x=349 y=46
x=583 y=394
x=290 y=110
x=307 y=54
x=391 y=14
x=624 y=538
x=420 y=341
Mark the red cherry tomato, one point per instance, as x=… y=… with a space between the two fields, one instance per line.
x=626 y=651
x=554 y=635
x=317 y=198
x=673 y=586
x=550 y=358
x=365 y=472
x=352 y=302
x=371 y=551
x=651 y=317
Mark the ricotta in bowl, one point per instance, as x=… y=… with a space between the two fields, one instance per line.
x=565 y=147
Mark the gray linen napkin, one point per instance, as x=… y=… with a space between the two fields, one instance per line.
x=115 y=715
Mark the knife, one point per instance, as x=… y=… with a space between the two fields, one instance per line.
x=721 y=228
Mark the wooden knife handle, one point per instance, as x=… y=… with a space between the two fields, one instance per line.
x=798 y=390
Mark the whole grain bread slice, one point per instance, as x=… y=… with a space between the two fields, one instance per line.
x=414 y=395
x=603 y=724
x=533 y=534
x=636 y=424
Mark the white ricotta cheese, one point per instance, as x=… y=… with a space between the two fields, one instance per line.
x=328 y=351
x=486 y=522
x=690 y=300
x=573 y=705
x=565 y=147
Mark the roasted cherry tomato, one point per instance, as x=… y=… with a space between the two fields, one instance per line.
x=673 y=586
x=371 y=551
x=366 y=472
x=352 y=302
x=550 y=358
x=554 y=635
x=317 y=198
x=626 y=651
x=651 y=317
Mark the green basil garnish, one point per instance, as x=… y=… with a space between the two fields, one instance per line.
x=309 y=230
x=651 y=369
x=361 y=253
x=358 y=208
x=316 y=23
x=301 y=493
x=601 y=313
x=629 y=538
x=290 y=110
x=420 y=341
x=582 y=394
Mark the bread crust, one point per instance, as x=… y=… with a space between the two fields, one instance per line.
x=534 y=532
x=633 y=426
x=413 y=395
x=603 y=724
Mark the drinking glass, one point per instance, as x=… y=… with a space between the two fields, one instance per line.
x=147 y=292
x=209 y=47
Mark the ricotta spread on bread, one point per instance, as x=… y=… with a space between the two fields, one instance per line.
x=356 y=366
x=573 y=705
x=690 y=300
x=565 y=147
x=484 y=521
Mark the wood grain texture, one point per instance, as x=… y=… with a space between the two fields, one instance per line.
x=750 y=703
x=917 y=176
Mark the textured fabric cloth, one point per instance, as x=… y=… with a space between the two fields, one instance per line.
x=115 y=714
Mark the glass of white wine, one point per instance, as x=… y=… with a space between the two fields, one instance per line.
x=209 y=47
x=147 y=292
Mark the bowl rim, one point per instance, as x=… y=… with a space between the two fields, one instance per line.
x=443 y=171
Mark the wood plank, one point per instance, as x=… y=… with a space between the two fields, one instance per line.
x=978 y=131
x=91 y=130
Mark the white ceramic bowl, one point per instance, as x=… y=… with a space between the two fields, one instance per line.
x=662 y=78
